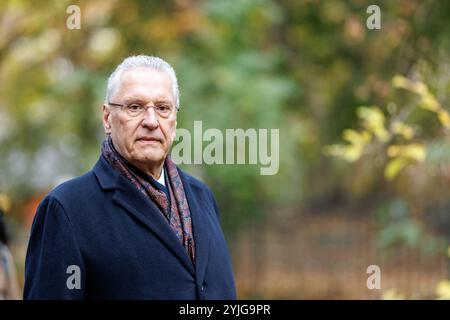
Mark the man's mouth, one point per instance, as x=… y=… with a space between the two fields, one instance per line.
x=148 y=140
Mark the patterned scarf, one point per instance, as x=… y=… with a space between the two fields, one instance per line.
x=176 y=211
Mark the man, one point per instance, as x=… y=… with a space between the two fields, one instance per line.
x=136 y=226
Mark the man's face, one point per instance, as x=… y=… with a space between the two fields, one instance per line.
x=144 y=140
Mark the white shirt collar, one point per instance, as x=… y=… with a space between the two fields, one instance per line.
x=161 y=179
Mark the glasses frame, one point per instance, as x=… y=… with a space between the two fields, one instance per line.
x=146 y=107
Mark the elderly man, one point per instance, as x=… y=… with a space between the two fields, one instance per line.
x=135 y=226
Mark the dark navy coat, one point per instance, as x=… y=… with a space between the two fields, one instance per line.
x=121 y=244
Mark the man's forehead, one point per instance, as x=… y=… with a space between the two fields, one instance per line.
x=140 y=82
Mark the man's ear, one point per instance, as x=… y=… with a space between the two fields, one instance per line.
x=106 y=119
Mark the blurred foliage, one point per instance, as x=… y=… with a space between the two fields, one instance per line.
x=409 y=136
x=395 y=138
x=386 y=136
x=5 y=203
x=392 y=294
x=443 y=290
x=398 y=227
x=301 y=66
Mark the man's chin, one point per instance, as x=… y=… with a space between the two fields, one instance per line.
x=156 y=156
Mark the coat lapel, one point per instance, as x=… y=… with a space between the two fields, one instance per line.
x=200 y=229
x=136 y=204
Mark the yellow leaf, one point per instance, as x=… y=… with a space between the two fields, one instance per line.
x=394 y=167
x=444 y=118
x=381 y=133
x=399 y=81
x=351 y=136
x=420 y=88
x=371 y=114
x=448 y=252
x=352 y=153
x=403 y=129
x=356 y=138
x=443 y=289
x=413 y=151
x=429 y=102
x=374 y=121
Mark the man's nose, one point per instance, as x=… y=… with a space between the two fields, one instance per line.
x=150 y=118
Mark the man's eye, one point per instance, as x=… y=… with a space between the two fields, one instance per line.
x=134 y=107
x=163 y=108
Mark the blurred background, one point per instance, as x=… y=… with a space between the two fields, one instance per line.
x=364 y=175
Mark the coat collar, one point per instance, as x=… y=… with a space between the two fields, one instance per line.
x=142 y=208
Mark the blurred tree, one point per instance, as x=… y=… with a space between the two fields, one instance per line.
x=301 y=67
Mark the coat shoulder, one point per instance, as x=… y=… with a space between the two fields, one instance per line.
x=75 y=188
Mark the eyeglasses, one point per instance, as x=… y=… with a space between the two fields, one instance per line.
x=134 y=110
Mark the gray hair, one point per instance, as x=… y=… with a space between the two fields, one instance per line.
x=142 y=61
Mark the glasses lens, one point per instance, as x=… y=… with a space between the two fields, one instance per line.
x=135 y=109
x=163 y=110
